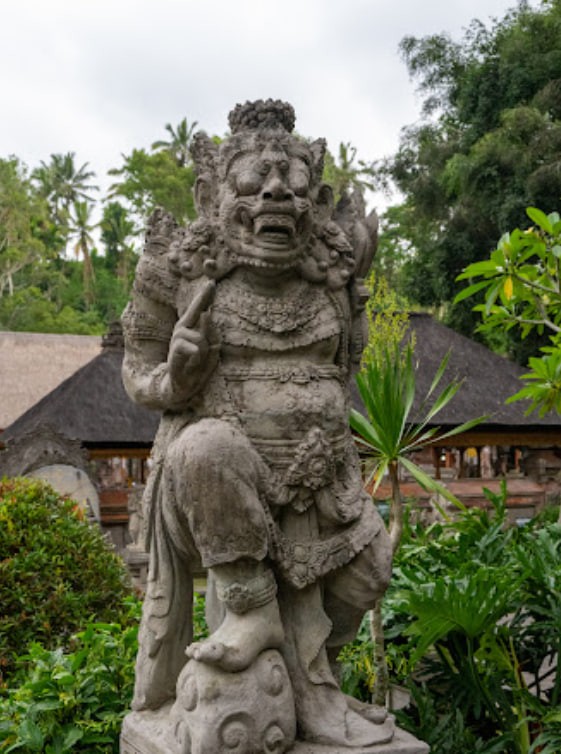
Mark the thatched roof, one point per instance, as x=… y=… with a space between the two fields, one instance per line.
x=33 y=364
x=488 y=380
x=92 y=406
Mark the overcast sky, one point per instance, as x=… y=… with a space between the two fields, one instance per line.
x=99 y=77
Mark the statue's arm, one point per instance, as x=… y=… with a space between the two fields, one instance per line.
x=148 y=327
x=168 y=359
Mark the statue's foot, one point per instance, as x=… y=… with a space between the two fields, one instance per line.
x=332 y=719
x=372 y=712
x=241 y=638
x=353 y=731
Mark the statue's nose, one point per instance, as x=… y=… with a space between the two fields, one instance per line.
x=275 y=188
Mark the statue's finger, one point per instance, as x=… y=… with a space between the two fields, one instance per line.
x=186 y=333
x=198 y=305
x=182 y=352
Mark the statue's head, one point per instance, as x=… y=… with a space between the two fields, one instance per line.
x=262 y=185
x=261 y=203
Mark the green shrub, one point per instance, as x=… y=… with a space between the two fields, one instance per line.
x=473 y=628
x=74 y=701
x=57 y=572
x=474 y=610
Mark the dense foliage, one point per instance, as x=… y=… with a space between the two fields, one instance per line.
x=521 y=282
x=473 y=628
x=57 y=572
x=487 y=147
x=67 y=257
x=74 y=700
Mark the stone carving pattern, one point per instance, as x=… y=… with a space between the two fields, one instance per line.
x=243 y=329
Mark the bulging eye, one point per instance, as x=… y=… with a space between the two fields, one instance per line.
x=264 y=168
x=299 y=179
x=248 y=183
x=300 y=184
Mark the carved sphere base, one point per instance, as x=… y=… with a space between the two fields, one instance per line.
x=216 y=711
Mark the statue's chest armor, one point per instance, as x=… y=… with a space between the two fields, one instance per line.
x=280 y=324
x=278 y=364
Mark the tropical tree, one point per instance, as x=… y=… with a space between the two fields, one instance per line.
x=22 y=216
x=117 y=234
x=81 y=228
x=63 y=184
x=179 y=143
x=147 y=181
x=487 y=146
x=346 y=172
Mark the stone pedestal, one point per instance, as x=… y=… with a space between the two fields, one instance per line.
x=402 y=743
x=250 y=712
x=145 y=733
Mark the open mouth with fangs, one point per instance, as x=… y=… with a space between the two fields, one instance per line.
x=275 y=231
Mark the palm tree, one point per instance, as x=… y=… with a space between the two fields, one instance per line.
x=179 y=144
x=81 y=227
x=62 y=183
x=116 y=232
x=346 y=173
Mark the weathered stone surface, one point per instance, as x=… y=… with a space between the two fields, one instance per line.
x=242 y=330
x=140 y=736
x=402 y=743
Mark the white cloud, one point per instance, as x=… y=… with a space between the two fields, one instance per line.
x=100 y=77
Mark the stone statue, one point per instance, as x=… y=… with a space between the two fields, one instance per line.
x=242 y=330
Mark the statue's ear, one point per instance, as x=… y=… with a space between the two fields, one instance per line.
x=318 y=149
x=204 y=195
x=324 y=203
x=204 y=152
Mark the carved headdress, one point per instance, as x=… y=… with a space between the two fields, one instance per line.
x=253 y=126
x=203 y=248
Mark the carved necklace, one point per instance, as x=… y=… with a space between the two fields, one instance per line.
x=274 y=314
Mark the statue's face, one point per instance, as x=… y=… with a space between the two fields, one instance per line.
x=265 y=205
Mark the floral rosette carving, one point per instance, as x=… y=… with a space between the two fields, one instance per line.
x=313 y=468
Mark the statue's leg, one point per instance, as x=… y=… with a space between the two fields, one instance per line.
x=325 y=715
x=355 y=588
x=166 y=625
x=214 y=488
x=251 y=621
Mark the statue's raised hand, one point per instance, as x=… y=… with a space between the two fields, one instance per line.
x=193 y=349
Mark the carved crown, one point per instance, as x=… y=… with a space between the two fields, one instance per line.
x=253 y=124
x=262 y=114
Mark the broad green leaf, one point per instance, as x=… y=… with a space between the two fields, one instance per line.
x=471 y=290
x=479 y=268
x=31 y=734
x=71 y=737
x=540 y=218
x=364 y=428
